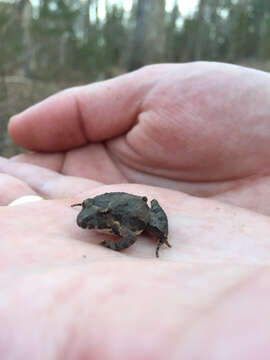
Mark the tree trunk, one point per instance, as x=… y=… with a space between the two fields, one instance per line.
x=149 y=33
x=200 y=34
x=28 y=54
x=86 y=20
x=136 y=59
x=156 y=32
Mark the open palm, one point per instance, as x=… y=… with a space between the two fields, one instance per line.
x=63 y=296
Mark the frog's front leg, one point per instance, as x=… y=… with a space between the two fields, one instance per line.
x=128 y=238
x=158 y=225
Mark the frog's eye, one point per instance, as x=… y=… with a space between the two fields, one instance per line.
x=87 y=203
x=83 y=204
x=104 y=211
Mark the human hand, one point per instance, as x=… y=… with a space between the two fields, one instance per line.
x=63 y=296
x=202 y=128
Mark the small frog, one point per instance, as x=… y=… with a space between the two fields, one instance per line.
x=125 y=215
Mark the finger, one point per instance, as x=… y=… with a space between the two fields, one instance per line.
x=11 y=188
x=91 y=161
x=76 y=116
x=52 y=161
x=46 y=182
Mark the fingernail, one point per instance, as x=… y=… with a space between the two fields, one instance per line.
x=25 y=199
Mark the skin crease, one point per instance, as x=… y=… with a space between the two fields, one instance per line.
x=65 y=297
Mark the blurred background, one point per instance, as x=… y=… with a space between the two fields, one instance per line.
x=48 y=45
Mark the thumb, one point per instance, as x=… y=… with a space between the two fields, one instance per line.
x=83 y=114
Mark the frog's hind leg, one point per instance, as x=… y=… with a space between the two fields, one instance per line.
x=160 y=242
x=158 y=225
x=128 y=239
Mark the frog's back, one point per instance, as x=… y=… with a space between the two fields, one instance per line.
x=113 y=197
x=129 y=210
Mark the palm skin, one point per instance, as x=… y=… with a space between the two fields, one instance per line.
x=66 y=297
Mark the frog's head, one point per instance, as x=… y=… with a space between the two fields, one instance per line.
x=90 y=216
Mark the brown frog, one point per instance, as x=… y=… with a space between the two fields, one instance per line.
x=125 y=215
